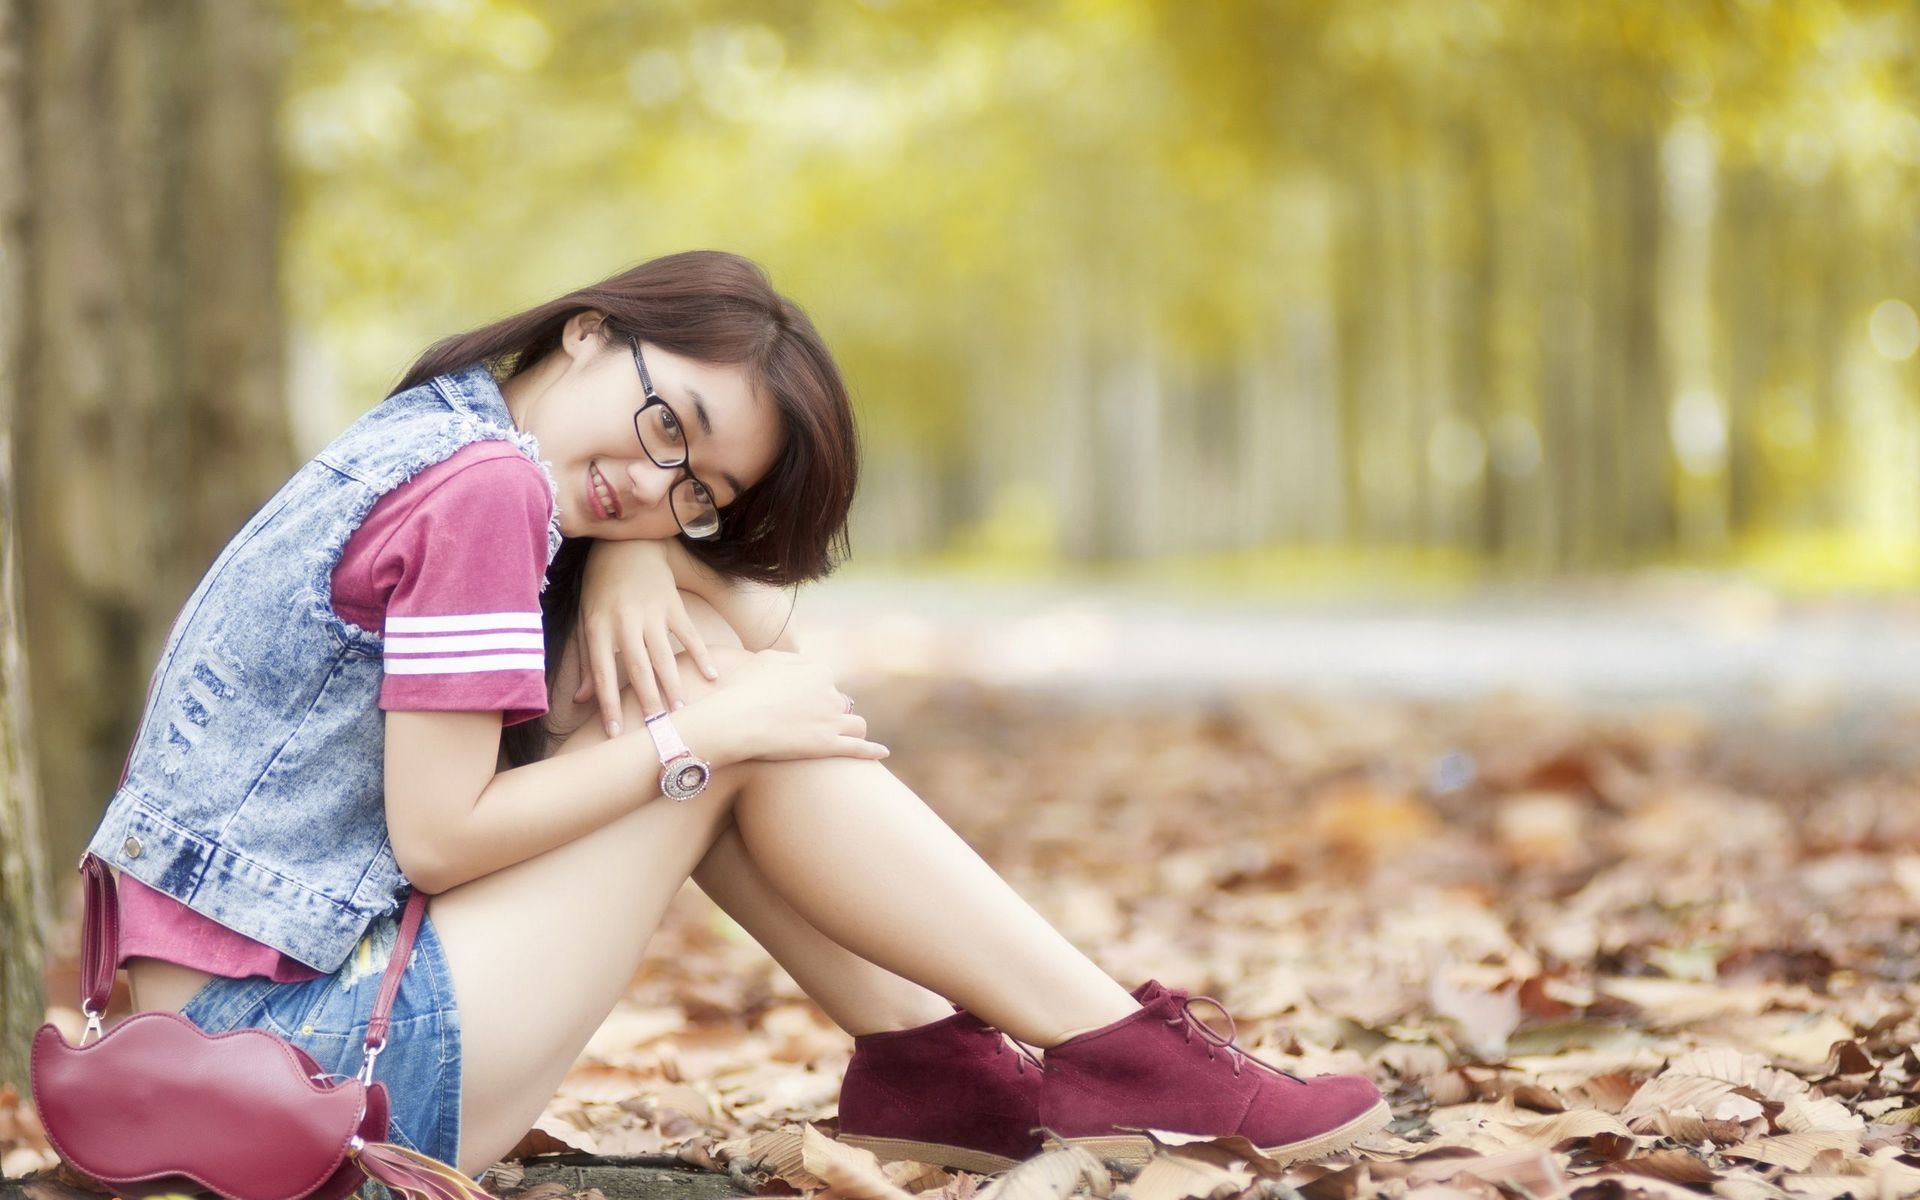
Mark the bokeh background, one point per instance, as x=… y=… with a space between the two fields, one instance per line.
x=1492 y=425
x=1488 y=287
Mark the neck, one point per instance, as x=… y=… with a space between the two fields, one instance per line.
x=524 y=390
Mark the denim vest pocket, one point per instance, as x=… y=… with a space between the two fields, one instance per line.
x=322 y=833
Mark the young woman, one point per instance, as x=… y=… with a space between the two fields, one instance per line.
x=385 y=681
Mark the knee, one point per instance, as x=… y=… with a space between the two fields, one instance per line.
x=815 y=780
x=707 y=619
x=693 y=685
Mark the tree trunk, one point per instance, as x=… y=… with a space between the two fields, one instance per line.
x=24 y=916
x=1646 y=478
x=151 y=420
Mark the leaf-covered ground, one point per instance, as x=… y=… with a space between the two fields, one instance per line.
x=1582 y=955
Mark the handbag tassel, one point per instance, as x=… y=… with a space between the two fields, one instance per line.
x=416 y=1175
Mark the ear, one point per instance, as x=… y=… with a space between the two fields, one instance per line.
x=581 y=336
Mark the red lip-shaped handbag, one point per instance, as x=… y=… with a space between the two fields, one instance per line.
x=158 y=1105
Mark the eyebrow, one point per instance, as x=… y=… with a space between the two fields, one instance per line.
x=706 y=427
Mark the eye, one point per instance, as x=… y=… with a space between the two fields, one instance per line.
x=664 y=426
x=701 y=493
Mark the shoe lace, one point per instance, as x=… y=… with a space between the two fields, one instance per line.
x=1236 y=1054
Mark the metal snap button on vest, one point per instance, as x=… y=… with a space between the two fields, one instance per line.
x=132 y=847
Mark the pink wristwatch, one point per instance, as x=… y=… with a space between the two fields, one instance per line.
x=682 y=776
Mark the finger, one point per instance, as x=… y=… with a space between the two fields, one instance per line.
x=834 y=746
x=853 y=747
x=852 y=725
x=640 y=668
x=606 y=684
x=695 y=645
x=663 y=665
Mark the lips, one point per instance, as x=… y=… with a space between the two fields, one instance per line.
x=600 y=502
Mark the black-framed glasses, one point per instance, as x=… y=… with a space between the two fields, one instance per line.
x=663 y=439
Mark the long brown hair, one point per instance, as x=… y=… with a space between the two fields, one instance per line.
x=718 y=308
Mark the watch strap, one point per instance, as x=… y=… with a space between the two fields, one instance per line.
x=666 y=738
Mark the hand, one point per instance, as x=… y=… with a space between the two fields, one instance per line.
x=782 y=705
x=627 y=592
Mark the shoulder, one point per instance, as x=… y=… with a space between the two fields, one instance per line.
x=494 y=460
x=489 y=474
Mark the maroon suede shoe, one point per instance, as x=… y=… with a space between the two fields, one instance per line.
x=952 y=1092
x=1147 y=1071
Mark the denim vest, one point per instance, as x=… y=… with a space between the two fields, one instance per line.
x=254 y=792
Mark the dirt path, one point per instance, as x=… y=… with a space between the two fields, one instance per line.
x=1725 y=647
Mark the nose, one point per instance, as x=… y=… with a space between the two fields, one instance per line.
x=650 y=484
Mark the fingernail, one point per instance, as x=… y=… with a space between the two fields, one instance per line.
x=679 y=704
x=709 y=672
x=613 y=729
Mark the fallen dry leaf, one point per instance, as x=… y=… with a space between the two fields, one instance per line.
x=1171 y=1177
x=1051 y=1175
x=850 y=1173
x=1585 y=956
x=1795 y=1151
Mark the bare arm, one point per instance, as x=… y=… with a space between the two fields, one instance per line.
x=452 y=819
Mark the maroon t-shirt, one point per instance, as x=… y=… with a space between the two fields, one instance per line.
x=447 y=569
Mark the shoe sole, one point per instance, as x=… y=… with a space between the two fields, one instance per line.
x=957 y=1158
x=1134 y=1149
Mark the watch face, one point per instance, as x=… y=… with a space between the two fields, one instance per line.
x=686 y=780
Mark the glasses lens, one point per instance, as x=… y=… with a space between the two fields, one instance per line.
x=693 y=506
x=661 y=436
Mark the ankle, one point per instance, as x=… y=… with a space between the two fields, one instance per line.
x=1131 y=1007
x=900 y=1019
x=1071 y=1034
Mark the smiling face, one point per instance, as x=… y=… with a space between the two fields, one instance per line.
x=579 y=403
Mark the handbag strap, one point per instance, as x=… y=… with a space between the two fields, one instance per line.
x=100 y=952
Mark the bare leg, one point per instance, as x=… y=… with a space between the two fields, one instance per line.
x=860 y=996
x=852 y=850
x=535 y=918
x=541 y=951
x=865 y=861
x=828 y=845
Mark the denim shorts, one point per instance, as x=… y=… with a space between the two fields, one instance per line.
x=327 y=1017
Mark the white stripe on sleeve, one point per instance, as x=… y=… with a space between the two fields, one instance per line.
x=463 y=621
x=448 y=643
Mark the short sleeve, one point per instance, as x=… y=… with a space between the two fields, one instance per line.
x=463 y=628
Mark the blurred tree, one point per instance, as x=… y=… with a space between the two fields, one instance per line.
x=1569 y=287
x=146 y=362
x=24 y=921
